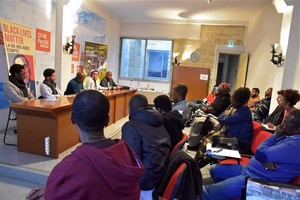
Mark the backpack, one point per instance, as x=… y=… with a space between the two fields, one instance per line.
x=201 y=126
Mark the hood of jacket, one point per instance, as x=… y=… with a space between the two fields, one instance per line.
x=119 y=169
x=147 y=115
x=175 y=116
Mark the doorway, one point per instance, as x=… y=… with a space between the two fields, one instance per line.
x=231 y=66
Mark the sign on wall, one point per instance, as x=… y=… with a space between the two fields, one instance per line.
x=18 y=46
x=43 y=40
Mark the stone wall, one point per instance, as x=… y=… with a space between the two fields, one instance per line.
x=210 y=35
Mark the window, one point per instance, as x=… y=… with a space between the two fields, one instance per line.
x=146 y=59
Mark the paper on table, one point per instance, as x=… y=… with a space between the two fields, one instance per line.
x=220 y=152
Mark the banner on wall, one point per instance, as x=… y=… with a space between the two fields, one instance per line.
x=76 y=52
x=95 y=57
x=18 y=46
x=42 y=40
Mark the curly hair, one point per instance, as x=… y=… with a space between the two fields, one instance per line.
x=241 y=95
x=291 y=96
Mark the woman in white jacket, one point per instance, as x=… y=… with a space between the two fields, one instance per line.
x=93 y=82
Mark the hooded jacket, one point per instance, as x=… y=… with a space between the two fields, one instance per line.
x=146 y=135
x=173 y=122
x=90 y=173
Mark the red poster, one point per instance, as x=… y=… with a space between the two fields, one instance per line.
x=75 y=55
x=42 y=40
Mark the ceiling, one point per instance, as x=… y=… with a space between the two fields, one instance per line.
x=185 y=11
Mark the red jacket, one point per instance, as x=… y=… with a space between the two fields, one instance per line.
x=90 y=173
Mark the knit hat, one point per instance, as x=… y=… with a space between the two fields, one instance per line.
x=224 y=87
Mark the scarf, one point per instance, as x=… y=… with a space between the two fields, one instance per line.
x=20 y=84
x=52 y=86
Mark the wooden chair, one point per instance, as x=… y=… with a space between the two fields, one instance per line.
x=180 y=144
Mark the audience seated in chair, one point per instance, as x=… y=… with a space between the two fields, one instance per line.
x=240 y=122
x=276 y=159
x=261 y=109
x=179 y=97
x=221 y=102
x=288 y=100
x=146 y=135
x=192 y=106
x=173 y=121
x=99 y=168
x=254 y=98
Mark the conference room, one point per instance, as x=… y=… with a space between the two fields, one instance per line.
x=149 y=46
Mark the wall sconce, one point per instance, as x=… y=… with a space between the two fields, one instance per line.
x=279 y=56
x=69 y=46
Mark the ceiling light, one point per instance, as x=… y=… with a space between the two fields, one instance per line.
x=209 y=1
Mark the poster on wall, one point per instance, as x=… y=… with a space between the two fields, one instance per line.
x=3 y=69
x=43 y=40
x=95 y=57
x=18 y=46
x=76 y=52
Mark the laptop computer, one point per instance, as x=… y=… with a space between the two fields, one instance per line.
x=257 y=189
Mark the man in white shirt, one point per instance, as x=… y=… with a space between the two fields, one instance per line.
x=49 y=89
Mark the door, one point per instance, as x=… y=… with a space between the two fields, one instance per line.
x=242 y=70
x=195 y=78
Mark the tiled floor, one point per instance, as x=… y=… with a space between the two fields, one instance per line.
x=19 y=172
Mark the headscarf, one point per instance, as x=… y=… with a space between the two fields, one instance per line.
x=224 y=87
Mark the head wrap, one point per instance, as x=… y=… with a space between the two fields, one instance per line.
x=224 y=87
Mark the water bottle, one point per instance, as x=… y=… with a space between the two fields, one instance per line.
x=138 y=86
x=131 y=84
x=47 y=145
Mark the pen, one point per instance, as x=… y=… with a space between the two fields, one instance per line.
x=217 y=151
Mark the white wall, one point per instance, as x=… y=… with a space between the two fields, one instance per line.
x=111 y=39
x=264 y=29
x=160 y=30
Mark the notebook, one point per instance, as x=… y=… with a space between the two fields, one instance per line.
x=257 y=189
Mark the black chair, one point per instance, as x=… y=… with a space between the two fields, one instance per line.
x=8 y=119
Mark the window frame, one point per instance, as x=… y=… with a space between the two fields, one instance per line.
x=144 y=79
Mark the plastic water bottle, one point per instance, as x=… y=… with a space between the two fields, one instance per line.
x=138 y=86
x=47 y=145
x=131 y=84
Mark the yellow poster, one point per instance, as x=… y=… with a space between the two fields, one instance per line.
x=19 y=49
x=18 y=39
